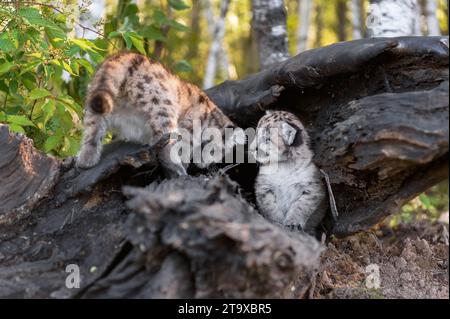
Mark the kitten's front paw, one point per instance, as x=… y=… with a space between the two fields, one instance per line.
x=294 y=222
x=88 y=159
x=294 y=227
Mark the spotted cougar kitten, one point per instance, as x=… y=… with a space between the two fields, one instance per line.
x=289 y=188
x=139 y=101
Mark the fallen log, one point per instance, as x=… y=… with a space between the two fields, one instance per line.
x=377 y=112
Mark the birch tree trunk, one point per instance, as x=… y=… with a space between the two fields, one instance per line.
x=357 y=23
x=217 y=39
x=304 y=13
x=432 y=21
x=89 y=19
x=270 y=25
x=393 y=18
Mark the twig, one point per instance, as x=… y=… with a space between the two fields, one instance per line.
x=228 y=167
x=334 y=210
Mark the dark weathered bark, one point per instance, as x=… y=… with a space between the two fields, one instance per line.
x=187 y=237
x=269 y=21
x=377 y=113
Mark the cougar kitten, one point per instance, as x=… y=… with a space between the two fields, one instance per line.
x=138 y=100
x=289 y=189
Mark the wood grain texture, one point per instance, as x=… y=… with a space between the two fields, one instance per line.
x=26 y=175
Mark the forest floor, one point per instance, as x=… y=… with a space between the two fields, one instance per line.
x=412 y=260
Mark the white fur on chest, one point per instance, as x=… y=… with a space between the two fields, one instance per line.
x=285 y=179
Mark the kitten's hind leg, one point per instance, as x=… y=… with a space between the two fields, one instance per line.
x=91 y=145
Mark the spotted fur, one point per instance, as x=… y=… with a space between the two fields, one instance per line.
x=140 y=101
x=289 y=188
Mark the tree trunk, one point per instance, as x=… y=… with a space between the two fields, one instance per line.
x=357 y=23
x=381 y=142
x=319 y=25
x=433 y=28
x=304 y=14
x=341 y=11
x=269 y=20
x=216 y=46
x=222 y=54
x=393 y=18
x=195 y=30
x=89 y=19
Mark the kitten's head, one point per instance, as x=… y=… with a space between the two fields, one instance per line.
x=280 y=136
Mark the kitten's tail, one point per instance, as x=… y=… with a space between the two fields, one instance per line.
x=110 y=79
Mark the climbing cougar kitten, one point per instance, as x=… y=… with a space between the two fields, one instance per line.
x=138 y=100
x=289 y=189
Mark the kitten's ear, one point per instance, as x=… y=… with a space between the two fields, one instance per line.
x=288 y=133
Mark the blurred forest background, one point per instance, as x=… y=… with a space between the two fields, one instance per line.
x=49 y=50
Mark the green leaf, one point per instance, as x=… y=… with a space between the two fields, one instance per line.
x=425 y=200
x=52 y=142
x=86 y=45
x=28 y=80
x=68 y=101
x=5 y=67
x=114 y=34
x=32 y=15
x=16 y=128
x=49 y=109
x=160 y=18
x=183 y=66
x=13 y=86
x=67 y=67
x=71 y=146
x=153 y=33
x=75 y=67
x=126 y=36
x=138 y=43
x=6 y=45
x=131 y=10
x=86 y=64
x=38 y=94
x=57 y=36
x=3 y=87
x=21 y=120
x=29 y=66
x=178 y=5
x=178 y=26
x=14 y=37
